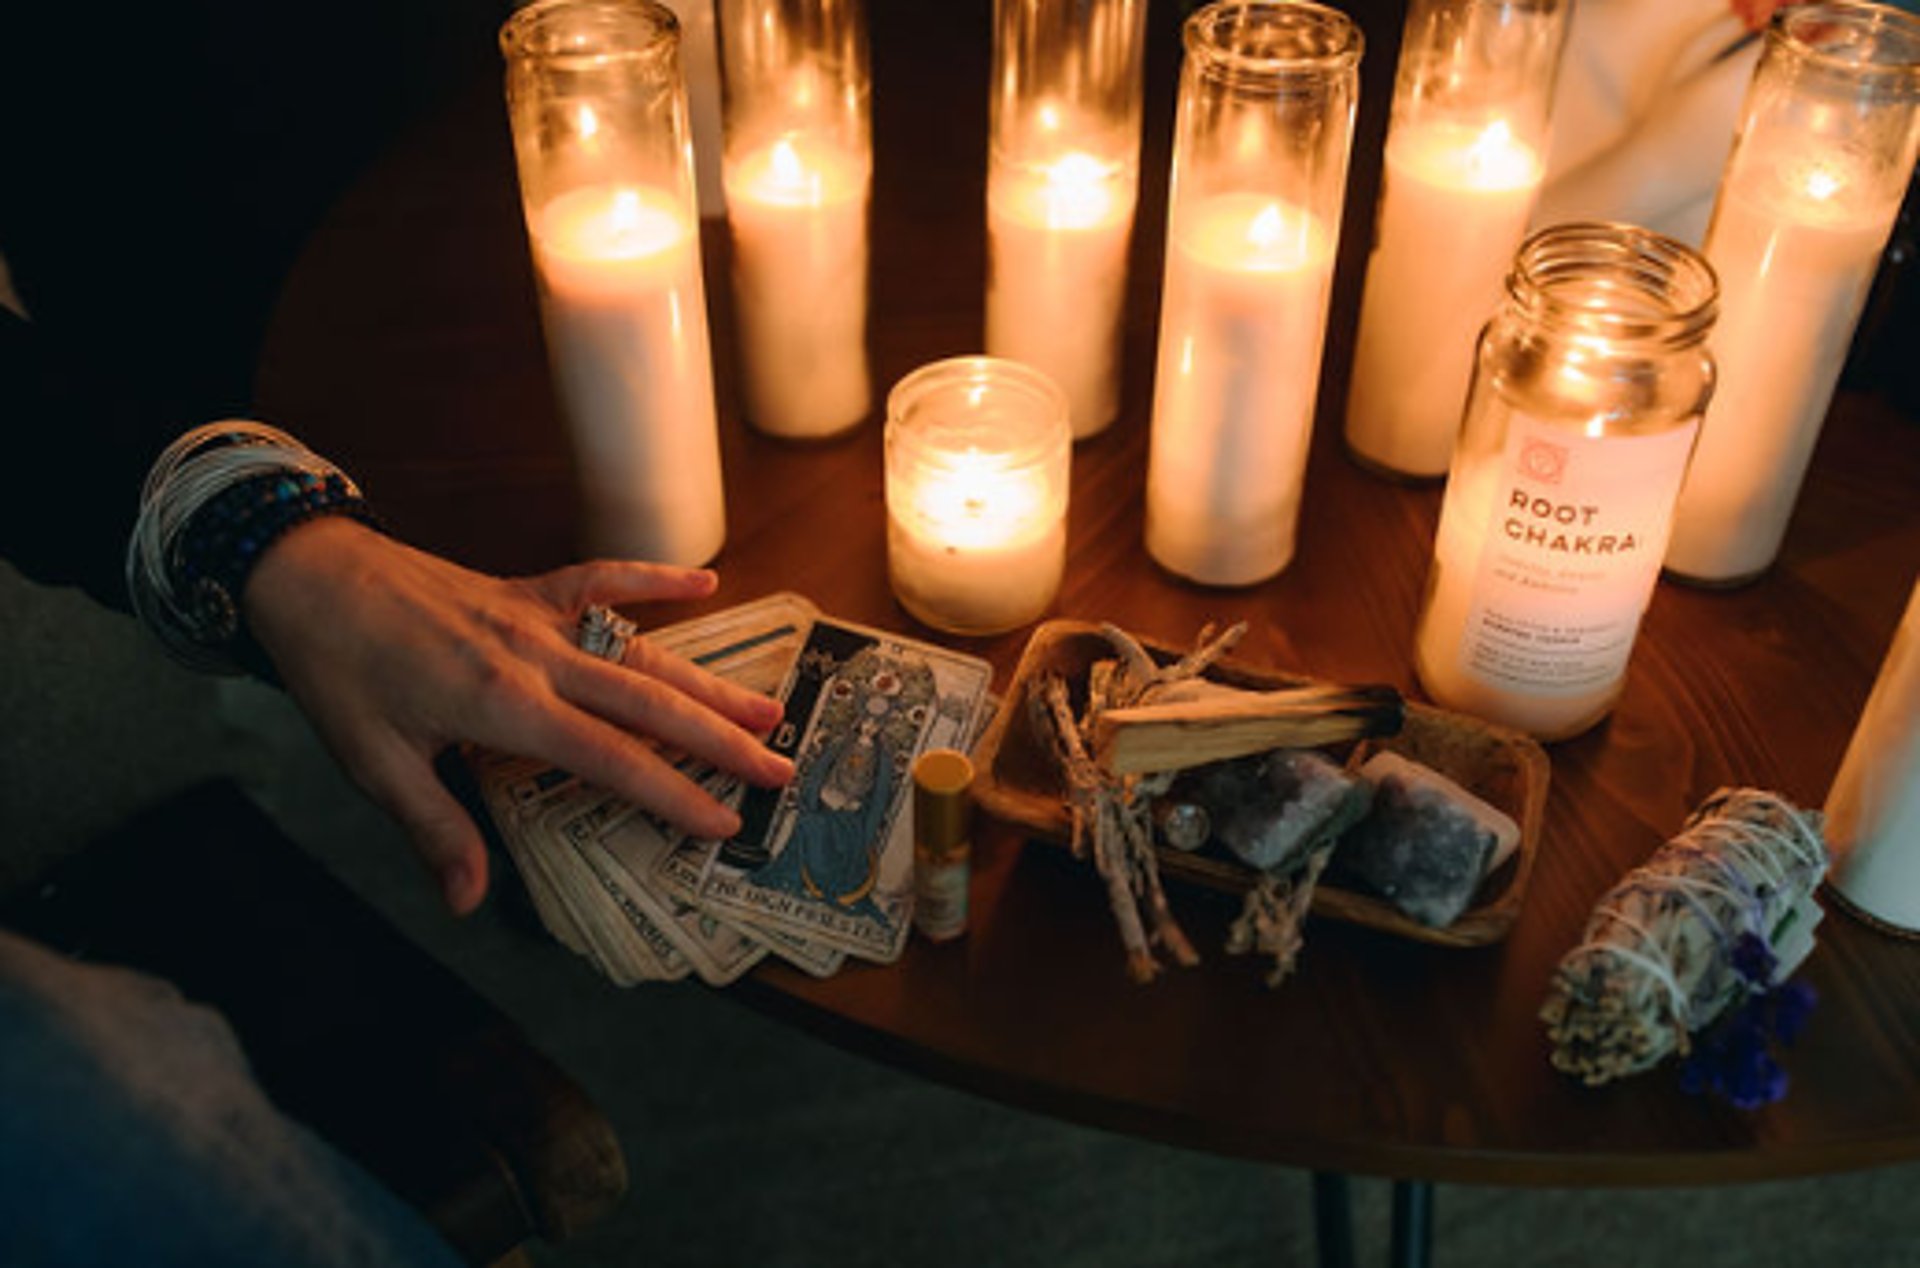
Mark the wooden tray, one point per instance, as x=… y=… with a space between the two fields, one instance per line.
x=1019 y=781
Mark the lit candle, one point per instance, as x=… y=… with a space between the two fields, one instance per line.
x=798 y=212
x=1576 y=435
x=1453 y=206
x=1827 y=143
x=599 y=120
x=1796 y=242
x=1242 y=320
x=1062 y=179
x=1057 y=283
x=618 y=268
x=977 y=460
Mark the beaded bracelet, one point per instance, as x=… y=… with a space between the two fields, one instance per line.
x=215 y=500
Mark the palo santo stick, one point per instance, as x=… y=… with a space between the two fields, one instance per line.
x=1223 y=722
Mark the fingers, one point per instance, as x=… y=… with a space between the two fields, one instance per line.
x=748 y=708
x=443 y=835
x=614 y=581
x=660 y=709
x=602 y=754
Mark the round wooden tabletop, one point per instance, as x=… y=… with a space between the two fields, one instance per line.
x=407 y=346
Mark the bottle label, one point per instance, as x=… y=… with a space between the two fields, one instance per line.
x=1574 y=538
x=940 y=897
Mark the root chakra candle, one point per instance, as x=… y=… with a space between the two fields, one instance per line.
x=1259 y=173
x=606 y=177
x=1583 y=409
x=1463 y=167
x=1826 y=149
x=977 y=456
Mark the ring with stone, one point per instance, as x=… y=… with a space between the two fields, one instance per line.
x=605 y=633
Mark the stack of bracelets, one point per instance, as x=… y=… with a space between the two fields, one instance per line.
x=212 y=504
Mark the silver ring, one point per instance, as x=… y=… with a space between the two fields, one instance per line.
x=605 y=633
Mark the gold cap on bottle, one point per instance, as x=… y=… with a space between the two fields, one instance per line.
x=941 y=778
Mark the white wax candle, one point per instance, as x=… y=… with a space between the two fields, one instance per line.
x=618 y=268
x=798 y=210
x=1242 y=320
x=1453 y=207
x=1058 y=275
x=1546 y=556
x=1795 y=243
x=973 y=547
x=1873 y=811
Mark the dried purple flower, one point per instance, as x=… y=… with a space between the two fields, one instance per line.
x=1753 y=960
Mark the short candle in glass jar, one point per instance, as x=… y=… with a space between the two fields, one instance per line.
x=977 y=459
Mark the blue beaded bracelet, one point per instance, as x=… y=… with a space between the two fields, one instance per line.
x=225 y=539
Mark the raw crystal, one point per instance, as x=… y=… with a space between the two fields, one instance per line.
x=1272 y=808
x=1426 y=843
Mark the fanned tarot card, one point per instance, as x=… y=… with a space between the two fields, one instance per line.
x=829 y=858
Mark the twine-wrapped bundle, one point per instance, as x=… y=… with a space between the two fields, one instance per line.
x=1658 y=960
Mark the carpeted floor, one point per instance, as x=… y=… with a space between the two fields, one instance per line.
x=751 y=1144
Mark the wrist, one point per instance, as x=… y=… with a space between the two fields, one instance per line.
x=218 y=501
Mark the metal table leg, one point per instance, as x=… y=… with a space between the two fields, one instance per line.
x=1412 y=1245
x=1332 y=1219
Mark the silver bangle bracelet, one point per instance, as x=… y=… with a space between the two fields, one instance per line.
x=194 y=615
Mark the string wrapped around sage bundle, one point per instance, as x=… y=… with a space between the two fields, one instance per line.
x=1673 y=944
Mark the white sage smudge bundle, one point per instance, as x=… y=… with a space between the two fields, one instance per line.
x=1663 y=954
x=1112 y=812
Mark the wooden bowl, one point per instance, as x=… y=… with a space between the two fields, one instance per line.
x=1020 y=781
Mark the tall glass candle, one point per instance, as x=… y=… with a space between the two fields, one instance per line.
x=1264 y=126
x=1873 y=810
x=606 y=177
x=1827 y=143
x=1062 y=180
x=799 y=167
x=978 y=451
x=1464 y=155
x=1586 y=399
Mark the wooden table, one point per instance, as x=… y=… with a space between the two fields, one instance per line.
x=407 y=347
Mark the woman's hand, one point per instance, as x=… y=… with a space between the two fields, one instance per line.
x=396 y=654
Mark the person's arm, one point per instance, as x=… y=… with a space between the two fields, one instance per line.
x=396 y=654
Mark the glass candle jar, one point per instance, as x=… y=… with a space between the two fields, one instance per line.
x=799 y=168
x=1827 y=143
x=1873 y=810
x=1062 y=180
x=1465 y=153
x=1584 y=407
x=606 y=178
x=1264 y=126
x=977 y=455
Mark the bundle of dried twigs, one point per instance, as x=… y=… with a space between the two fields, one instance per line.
x=1143 y=723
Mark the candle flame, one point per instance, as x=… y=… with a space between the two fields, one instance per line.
x=975 y=502
x=624 y=217
x=1078 y=192
x=1049 y=118
x=1822 y=184
x=1494 y=140
x=589 y=121
x=786 y=164
x=1266 y=229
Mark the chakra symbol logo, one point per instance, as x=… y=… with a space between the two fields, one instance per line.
x=1543 y=460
